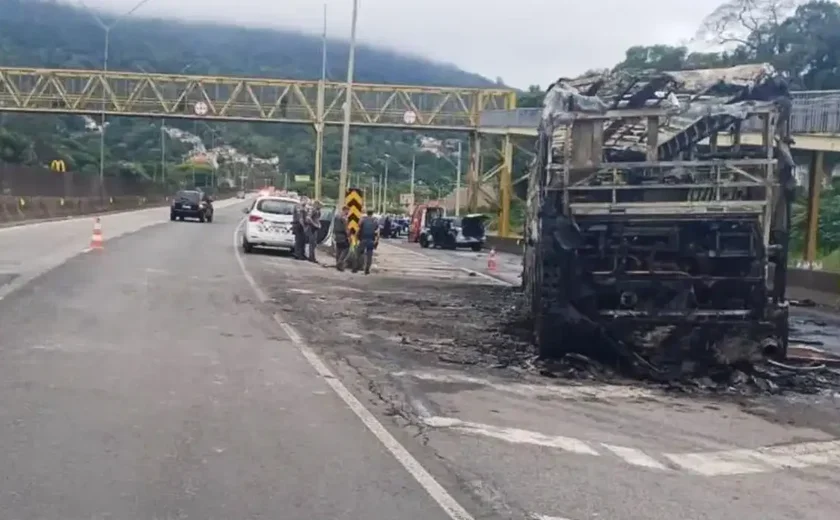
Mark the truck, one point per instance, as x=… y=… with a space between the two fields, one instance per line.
x=658 y=209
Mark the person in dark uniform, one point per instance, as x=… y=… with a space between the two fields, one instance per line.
x=298 y=219
x=386 y=227
x=368 y=228
x=312 y=226
x=342 y=239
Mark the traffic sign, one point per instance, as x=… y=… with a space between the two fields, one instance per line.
x=355 y=201
x=406 y=199
x=201 y=108
x=410 y=117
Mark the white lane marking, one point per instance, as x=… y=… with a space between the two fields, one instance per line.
x=547 y=517
x=741 y=461
x=601 y=392
x=513 y=435
x=447 y=502
x=733 y=462
x=635 y=457
x=759 y=460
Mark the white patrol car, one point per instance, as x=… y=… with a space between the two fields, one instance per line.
x=269 y=223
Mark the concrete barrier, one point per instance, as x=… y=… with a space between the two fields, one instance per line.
x=817 y=282
x=20 y=209
x=14 y=209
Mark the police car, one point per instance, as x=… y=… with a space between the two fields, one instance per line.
x=269 y=223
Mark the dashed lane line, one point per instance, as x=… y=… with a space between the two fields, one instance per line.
x=741 y=461
x=600 y=392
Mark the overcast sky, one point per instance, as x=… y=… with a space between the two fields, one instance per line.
x=522 y=41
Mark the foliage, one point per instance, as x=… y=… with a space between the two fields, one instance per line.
x=36 y=33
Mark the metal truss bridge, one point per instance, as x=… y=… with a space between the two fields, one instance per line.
x=220 y=98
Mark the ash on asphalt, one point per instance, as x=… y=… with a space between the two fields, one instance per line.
x=394 y=321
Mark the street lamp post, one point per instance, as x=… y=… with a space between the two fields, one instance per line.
x=348 y=101
x=163 y=135
x=385 y=184
x=107 y=29
x=458 y=182
x=413 y=167
x=319 y=124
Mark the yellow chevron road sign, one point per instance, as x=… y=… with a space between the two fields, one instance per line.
x=355 y=200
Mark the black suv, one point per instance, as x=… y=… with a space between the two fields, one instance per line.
x=454 y=232
x=191 y=204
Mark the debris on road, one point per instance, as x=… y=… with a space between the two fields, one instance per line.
x=391 y=319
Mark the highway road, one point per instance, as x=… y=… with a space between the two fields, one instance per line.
x=171 y=376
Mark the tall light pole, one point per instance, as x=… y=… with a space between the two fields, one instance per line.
x=458 y=182
x=163 y=135
x=385 y=184
x=348 y=101
x=413 y=168
x=319 y=123
x=107 y=29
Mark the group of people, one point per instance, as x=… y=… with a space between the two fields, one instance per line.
x=306 y=223
x=344 y=240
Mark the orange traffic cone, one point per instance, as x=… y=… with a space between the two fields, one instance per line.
x=491 y=260
x=96 y=241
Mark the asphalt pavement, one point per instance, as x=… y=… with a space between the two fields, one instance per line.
x=146 y=381
x=171 y=376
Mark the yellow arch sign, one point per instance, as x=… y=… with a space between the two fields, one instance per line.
x=58 y=166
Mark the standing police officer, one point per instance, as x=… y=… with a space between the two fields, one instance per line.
x=298 y=220
x=368 y=228
x=312 y=226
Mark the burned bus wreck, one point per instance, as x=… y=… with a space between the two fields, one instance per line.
x=645 y=235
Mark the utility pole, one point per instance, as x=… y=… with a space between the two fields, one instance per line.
x=372 y=197
x=163 y=151
x=458 y=182
x=385 y=186
x=413 y=167
x=319 y=123
x=380 y=200
x=103 y=123
x=348 y=102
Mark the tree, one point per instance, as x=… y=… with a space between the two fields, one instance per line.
x=531 y=98
x=752 y=24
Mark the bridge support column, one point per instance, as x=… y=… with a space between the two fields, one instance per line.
x=505 y=186
x=815 y=177
x=319 y=158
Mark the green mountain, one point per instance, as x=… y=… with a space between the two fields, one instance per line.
x=37 y=33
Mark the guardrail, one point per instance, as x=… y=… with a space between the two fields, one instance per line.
x=813 y=112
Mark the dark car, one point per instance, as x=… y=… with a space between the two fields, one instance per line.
x=191 y=204
x=454 y=232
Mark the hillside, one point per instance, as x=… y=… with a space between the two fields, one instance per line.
x=49 y=34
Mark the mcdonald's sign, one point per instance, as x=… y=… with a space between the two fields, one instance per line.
x=58 y=166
